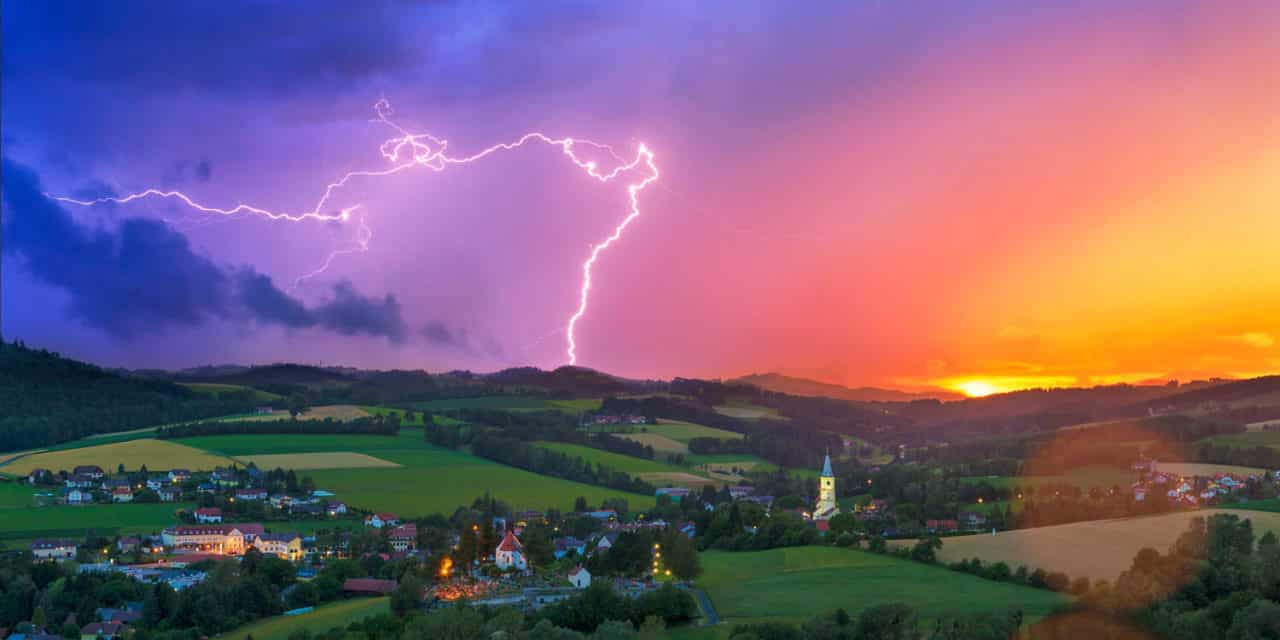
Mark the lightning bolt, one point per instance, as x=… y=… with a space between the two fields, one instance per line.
x=422 y=150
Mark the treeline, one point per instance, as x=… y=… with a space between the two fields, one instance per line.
x=372 y=426
x=547 y=426
x=894 y=621
x=48 y=399
x=45 y=594
x=497 y=445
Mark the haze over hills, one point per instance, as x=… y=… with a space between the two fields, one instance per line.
x=805 y=387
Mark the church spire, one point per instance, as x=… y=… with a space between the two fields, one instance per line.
x=826 y=466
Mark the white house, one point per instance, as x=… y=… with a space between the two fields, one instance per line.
x=579 y=577
x=79 y=496
x=510 y=553
x=380 y=520
x=53 y=549
x=336 y=508
x=122 y=494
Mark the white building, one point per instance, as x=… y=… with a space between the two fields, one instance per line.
x=580 y=578
x=510 y=553
x=53 y=549
x=826 y=506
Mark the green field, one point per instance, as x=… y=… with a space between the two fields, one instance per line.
x=683 y=432
x=14 y=495
x=615 y=461
x=321 y=619
x=798 y=583
x=24 y=524
x=431 y=479
x=213 y=387
x=1084 y=477
x=753 y=463
x=1248 y=440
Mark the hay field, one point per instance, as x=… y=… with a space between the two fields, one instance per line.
x=660 y=443
x=323 y=460
x=1099 y=549
x=739 y=408
x=681 y=431
x=156 y=454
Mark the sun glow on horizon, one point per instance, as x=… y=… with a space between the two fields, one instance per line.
x=976 y=388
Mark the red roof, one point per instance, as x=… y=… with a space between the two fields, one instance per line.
x=822 y=525
x=209 y=511
x=369 y=585
x=576 y=570
x=121 y=490
x=510 y=543
x=405 y=531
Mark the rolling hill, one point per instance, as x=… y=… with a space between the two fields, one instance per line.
x=806 y=387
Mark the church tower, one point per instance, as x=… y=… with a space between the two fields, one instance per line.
x=826 y=506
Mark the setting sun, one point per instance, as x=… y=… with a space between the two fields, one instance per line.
x=976 y=388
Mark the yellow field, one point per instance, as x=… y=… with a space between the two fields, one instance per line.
x=324 y=460
x=156 y=454
x=1262 y=426
x=342 y=412
x=660 y=443
x=1099 y=549
x=1195 y=469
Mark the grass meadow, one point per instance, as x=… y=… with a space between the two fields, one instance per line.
x=797 y=583
x=319 y=620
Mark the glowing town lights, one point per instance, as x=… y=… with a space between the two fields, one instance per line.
x=423 y=150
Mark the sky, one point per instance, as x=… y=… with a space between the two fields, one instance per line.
x=971 y=195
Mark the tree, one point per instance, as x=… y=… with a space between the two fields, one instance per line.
x=926 y=550
x=297 y=405
x=38 y=618
x=681 y=556
x=407 y=595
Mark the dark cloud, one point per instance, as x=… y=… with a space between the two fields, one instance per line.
x=144 y=277
x=438 y=334
x=165 y=46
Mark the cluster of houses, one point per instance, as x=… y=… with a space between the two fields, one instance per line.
x=1182 y=490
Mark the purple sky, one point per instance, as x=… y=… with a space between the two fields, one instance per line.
x=800 y=146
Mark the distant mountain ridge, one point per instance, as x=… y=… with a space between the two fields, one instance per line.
x=814 y=388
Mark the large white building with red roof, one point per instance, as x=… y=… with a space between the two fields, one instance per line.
x=510 y=553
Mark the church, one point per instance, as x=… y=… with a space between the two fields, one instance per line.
x=826 y=506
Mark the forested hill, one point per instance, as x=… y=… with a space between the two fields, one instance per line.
x=46 y=399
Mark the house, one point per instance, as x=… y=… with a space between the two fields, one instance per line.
x=122 y=494
x=741 y=491
x=973 y=519
x=53 y=549
x=369 y=586
x=207 y=487
x=675 y=493
x=79 y=496
x=101 y=630
x=40 y=476
x=527 y=517
x=404 y=537
x=224 y=477
x=209 y=515
x=280 y=500
x=568 y=544
x=91 y=470
x=125 y=544
x=380 y=520
x=689 y=529
x=169 y=494
x=605 y=542
x=336 y=509
x=80 y=481
x=131 y=612
x=286 y=546
x=251 y=495
x=579 y=577
x=1139 y=494
x=764 y=501
x=510 y=553
x=305 y=509
x=946 y=526
x=179 y=475
x=603 y=514
x=155 y=482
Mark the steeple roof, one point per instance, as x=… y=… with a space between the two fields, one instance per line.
x=826 y=467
